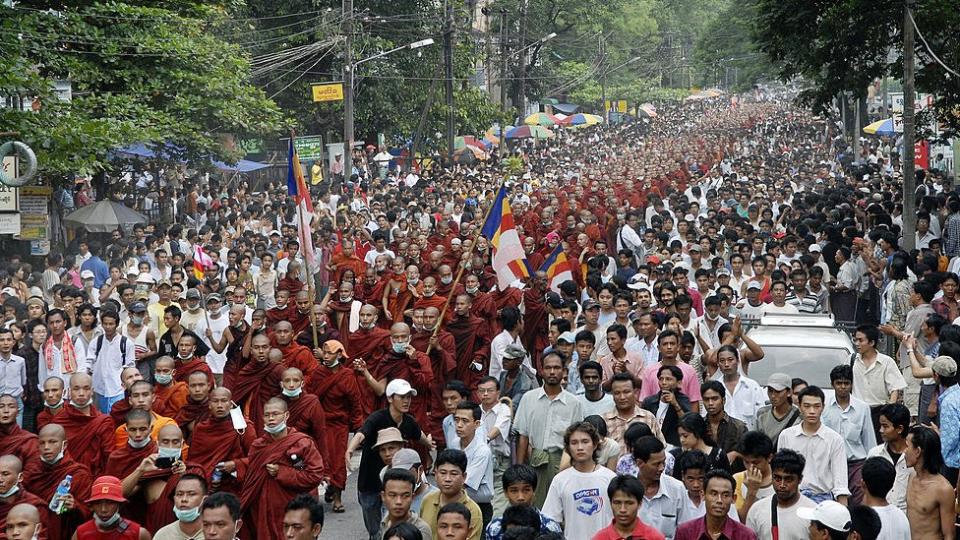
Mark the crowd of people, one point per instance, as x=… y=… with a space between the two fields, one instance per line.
x=151 y=393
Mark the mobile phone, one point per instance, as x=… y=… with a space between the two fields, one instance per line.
x=164 y=462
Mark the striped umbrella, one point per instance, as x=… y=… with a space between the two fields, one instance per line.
x=529 y=132
x=584 y=119
x=881 y=127
x=540 y=119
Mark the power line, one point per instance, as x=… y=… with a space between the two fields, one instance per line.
x=927 y=46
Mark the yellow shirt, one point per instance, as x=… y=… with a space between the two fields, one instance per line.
x=158 y=423
x=430 y=512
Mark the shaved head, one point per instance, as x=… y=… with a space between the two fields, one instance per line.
x=368 y=309
x=80 y=378
x=53 y=430
x=22 y=522
x=292 y=371
x=11 y=463
x=283 y=325
x=275 y=403
x=166 y=362
x=221 y=392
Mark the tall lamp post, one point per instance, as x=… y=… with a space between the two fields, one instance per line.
x=348 y=71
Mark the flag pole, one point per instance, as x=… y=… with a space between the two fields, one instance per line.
x=456 y=281
x=301 y=223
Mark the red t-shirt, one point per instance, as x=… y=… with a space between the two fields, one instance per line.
x=641 y=531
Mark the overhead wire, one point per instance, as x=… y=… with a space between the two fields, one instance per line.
x=927 y=46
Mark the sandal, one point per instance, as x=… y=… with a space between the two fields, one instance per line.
x=328 y=495
x=338 y=509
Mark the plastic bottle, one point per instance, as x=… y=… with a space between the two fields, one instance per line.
x=56 y=503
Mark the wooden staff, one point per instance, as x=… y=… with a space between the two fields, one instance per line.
x=313 y=314
x=302 y=224
x=456 y=280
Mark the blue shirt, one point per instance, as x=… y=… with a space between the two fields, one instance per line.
x=101 y=272
x=949 y=401
x=495 y=528
x=450 y=432
x=574 y=385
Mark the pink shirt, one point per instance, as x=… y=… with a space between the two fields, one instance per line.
x=641 y=531
x=690 y=385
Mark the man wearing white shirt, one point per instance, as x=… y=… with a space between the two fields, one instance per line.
x=211 y=330
x=13 y=371
x=878 y=478
x=107 y=357
x=786 y=469
x=825 y=473
x=379 y=248
x=627 y=237
x=645 y=344
x=479 y=474
x=495 y=421
x=60 y=355
x=744 y=395
x=666 y=509
x=512 y=323
x=850 y=417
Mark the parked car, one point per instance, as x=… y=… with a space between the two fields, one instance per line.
x=804 y=346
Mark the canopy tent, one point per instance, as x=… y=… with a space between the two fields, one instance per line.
x=103 y=216
x=142 y=151
x=568 y=108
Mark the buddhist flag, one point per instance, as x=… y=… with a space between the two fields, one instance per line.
x=297 y=188
x=201 y=261
x=557 y=267
x=509 y=260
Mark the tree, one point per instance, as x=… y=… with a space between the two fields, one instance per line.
x=844 y=46
x=725 y=52
x=149 y=73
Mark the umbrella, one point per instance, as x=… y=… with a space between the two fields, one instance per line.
x=540 y=119
x=104 y=216
x=529 y=132
x=468 y=140
x=648 y=110
x=468 y=154
x=492 y=135
x=881 y=127
x=583 y=119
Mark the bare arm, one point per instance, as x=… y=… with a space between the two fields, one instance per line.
x=523 y=444
x=946 y=501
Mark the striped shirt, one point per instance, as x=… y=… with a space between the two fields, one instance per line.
x=810 y=303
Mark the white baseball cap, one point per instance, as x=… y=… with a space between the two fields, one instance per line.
x=399 y=387
x=831 y=513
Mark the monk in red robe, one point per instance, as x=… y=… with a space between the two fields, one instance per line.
x=282 y=464
x=171 y=395
x=53 y=401
x=11 y=480
x=473 y=342
x=445 y=278
x=150 y=487
x=294 y=354
x=238 y=334
x=129 y=461
x=429 y=298
x=342 y=309
x=299 y=316
x=90 y=432
x=15 y=441
x=187 y=361
x=398 y=293
x=336 y=386
x=535 y=319
x=369 y=343
x=345 y=260
x=483 y=304
x=257 y=381
x=56 y=464
x=196 y=407
x=306 y=413
x=119 y=410
x=443 y=363
x=402 y=361
x=216 y=441
x=284 y=308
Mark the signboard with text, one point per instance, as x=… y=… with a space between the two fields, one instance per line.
x=310 y=147
x=327 y=92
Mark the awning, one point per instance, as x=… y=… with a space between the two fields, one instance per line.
x=142 y=151
x=566 y=107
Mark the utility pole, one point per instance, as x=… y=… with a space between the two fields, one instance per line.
x=856 y=130
x=503 y=81
x=448 y=75
x=603 y=80
x=522 y=94
x=348 y=88
x=909 y=135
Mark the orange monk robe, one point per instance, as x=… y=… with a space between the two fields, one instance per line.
x=264 y=497
x=308 y=416
x=170 y=398
x=344 y=262
x=368 y=345
x=297 y=356
x=443 y=364
x=156 y=424
x=21 y=443
x=399 y=300
x=435 y=301
x=256 y=383
x=44 y=484
x=215 y=441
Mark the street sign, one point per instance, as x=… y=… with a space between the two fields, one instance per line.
x=327 y=92
x=310 y=147
x=897 y=123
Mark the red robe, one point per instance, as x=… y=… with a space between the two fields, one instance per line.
x=369 y=346
x=535 y=321
x=90 y=439
x=256 y=383
x=160 y=512
x=20 y=443
x=235 y=359
x=264 y=497
x=45 y=417
x=299 y=321
x=344 y=262
x=415 y=371
x=308 y=416
x=22 y=496
x=197 y=363
x=215 y=441
x=192 y=411
x=275 y=315
x=123 y=461
x=170 y=399
x=340 y=315
x=484 y=306
x=119 y=411
x=435 y=301
x=338 y=390
x=398 y=301
x=298 y=356
x=44 y=484
x=443 y=364
x=473 y=345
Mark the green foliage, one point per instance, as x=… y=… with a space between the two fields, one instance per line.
x=139 y=73
x=843 y=47
x=725 y=52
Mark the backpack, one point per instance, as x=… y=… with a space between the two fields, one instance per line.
x=123 y=346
